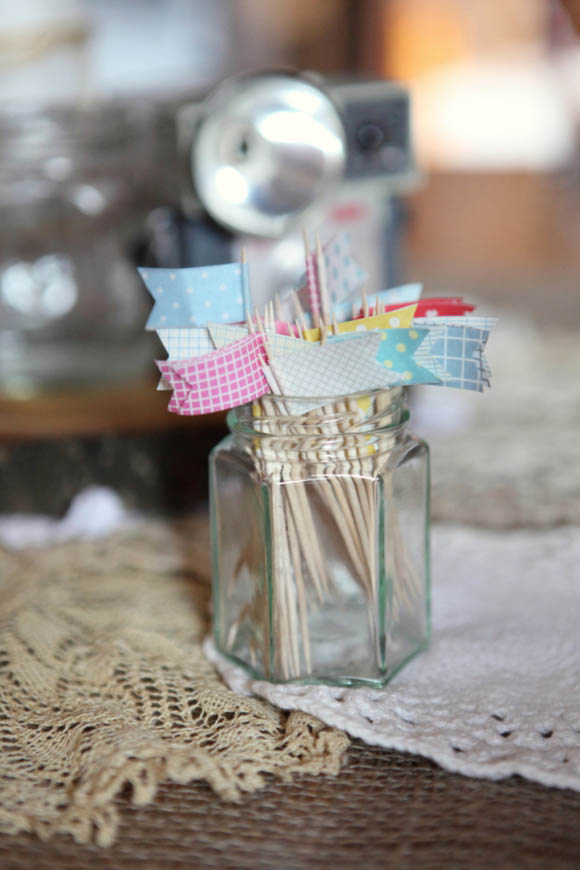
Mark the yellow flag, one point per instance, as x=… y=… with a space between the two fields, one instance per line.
x=399 y=318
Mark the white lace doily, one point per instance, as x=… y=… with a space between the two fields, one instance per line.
x=498 y=692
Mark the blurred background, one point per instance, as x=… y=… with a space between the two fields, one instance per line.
x=89 y=91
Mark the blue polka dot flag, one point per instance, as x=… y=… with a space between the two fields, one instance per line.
x=196 y=296
x=397 y=354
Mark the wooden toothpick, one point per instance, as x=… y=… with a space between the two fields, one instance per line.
x=365 y=302
x=299 y=311
x=322 y=285
x=246 y=290
x=278 y=307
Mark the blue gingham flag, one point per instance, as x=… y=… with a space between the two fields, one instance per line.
x=196 y=296
x=459 y=351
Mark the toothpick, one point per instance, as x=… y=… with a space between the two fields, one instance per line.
x=365 y=305
x=377 y=305
x=278 y=307
x=308 y=257
x=299 y=311
x=334 y=323
x=355 y=310
x=269 y=375
x=322 y=285
x=246 y=290
x=259 y=321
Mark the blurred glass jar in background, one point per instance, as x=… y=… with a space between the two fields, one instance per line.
x=72 y=200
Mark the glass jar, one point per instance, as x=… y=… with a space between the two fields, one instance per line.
x=320 y=539
x=72 y=306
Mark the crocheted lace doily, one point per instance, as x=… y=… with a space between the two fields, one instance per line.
x=103 y=683
x=498 y=692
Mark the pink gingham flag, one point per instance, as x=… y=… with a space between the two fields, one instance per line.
x=217 y=381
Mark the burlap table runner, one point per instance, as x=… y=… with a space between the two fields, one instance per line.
x=104 y=683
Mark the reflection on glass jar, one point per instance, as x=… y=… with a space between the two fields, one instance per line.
x=320 y=538
x=71 y=306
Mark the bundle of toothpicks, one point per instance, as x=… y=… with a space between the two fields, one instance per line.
x=296 y=456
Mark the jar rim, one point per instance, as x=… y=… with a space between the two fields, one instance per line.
x=247 y=427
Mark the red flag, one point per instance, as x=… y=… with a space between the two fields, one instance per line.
x=448 y=306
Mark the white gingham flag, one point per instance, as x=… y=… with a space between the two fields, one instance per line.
x=224 y=335
x=333 y=369
x=183 y=344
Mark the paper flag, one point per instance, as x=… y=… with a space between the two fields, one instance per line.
x=220 y=380
x=333 y=369
x=459 y=352
x=343 y=274
x=400 y=317
x=196 y=296
x=453 y=306
x=435 y=323
x=397 y=353
x=474 y=320
x=425 y=357
x=224 y=335
x=183 y=344
x=394 y=296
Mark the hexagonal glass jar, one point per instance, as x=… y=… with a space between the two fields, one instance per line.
x=320 y=539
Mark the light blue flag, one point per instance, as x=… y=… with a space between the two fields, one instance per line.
x=397 y=354
x=196 y=296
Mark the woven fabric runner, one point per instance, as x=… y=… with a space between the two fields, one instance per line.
x=103 y=683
